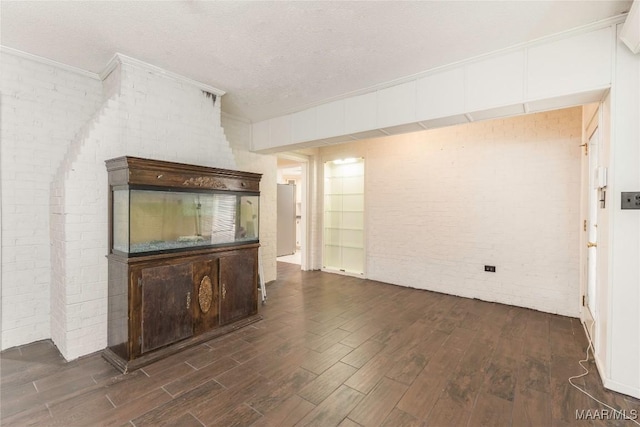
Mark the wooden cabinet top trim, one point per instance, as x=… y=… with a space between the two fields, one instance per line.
x=129 y=162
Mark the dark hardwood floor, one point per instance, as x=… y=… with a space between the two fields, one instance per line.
x=331 y=350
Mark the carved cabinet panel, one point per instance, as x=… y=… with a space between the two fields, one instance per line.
x=206 y=301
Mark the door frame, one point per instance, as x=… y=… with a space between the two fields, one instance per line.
x=305 y=223
x=588 y=309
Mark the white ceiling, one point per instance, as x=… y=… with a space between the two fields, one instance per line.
x=274 y=58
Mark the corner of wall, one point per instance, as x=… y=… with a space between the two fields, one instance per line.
x=145 y=113
x=238 y=132
x=43 y=106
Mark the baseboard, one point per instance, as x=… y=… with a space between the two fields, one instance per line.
x=621 y=388
x=608 y=383
x=600 y=367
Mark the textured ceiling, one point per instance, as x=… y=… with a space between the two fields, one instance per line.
x=277 y=57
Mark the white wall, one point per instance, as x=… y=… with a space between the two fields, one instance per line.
x=314 y=212
x=238 y=133
x=623 y=345
x=441 y=204
x=43 y=107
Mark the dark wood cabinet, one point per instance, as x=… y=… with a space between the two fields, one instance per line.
x=170 y=288
x=241 y=268
x=165 y=305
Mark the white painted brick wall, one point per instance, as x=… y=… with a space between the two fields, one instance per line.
x=42 y=108
x=150 y=116
x=238 y=133
x=441 y=204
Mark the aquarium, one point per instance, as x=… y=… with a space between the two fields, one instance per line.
x=152 y=220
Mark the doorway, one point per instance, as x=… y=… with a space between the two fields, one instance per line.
x=292 y=209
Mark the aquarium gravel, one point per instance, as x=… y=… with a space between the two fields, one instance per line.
x=162 y=245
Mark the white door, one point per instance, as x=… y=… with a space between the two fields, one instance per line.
x=592 y=229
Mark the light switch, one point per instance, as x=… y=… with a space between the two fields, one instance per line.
x=631 y=200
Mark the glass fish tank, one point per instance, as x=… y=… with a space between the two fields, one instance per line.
x=155 y=221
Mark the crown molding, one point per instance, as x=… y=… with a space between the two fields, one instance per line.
x=116 y=60
x=49 y=62
x=119 y=58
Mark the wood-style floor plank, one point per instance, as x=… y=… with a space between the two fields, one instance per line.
x=428 y=386
x=377 y=405
x=331 y=351
x=448 y=412
x=325 y=384
x=468 y=377
x=348 y=423
x=287 y=413
x=135 y=408
x=564 y=398
x=491 y=410
x=502 y=372
x=173 y=410
x=361 y=355
x=138 y=383
x=39 y=416
x=370 y=374
x=274 y=392
x=399 y=418
x=532 y=408
x=356 y=338
x=410 y=363
x=319 y=362
x=334 y=408
x=212 y=408
x=240 y=416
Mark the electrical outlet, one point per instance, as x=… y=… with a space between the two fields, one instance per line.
x=631 y=200
x=490 y=268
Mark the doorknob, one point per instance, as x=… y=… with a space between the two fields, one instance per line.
x=592 y=245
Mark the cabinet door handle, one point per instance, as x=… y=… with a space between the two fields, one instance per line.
x=188 y=300
x=224 y=291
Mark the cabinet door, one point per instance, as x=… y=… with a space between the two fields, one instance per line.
x=165 y=297
x=206 y=301
x=238 y=285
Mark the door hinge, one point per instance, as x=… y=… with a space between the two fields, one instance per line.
x=139 y=282
x=584 y=297
x=584 y=225
x=586 y=148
